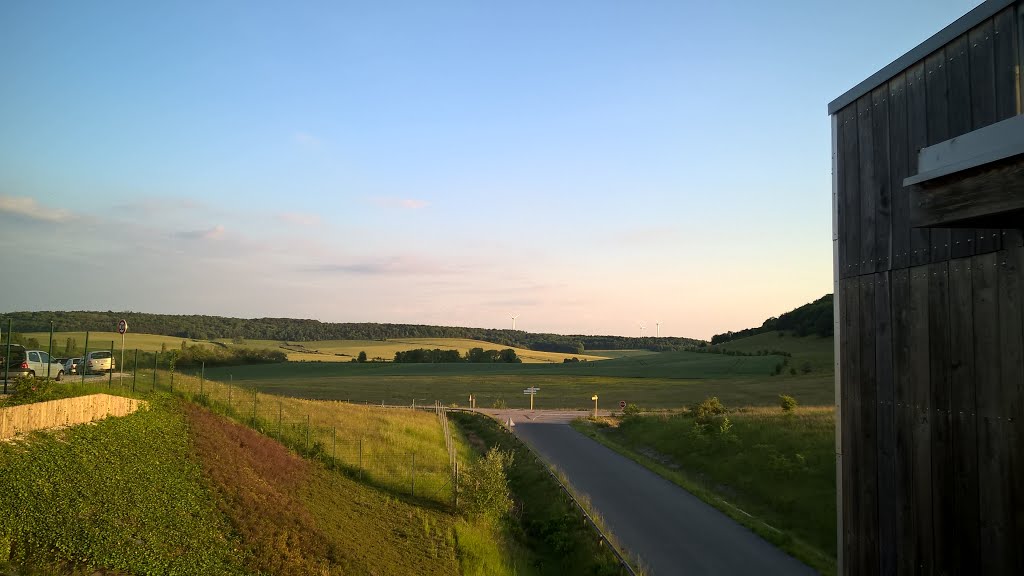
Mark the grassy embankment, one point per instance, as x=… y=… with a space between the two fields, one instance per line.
x=278 y=513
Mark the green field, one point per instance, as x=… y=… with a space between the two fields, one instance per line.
x=811 y=349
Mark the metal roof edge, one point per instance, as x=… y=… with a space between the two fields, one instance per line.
x=976 y=16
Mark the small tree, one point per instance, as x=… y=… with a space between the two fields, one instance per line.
x=709 y=408
x=788 y=403
x=361 y=357
x=483 y=486
x=631 y=410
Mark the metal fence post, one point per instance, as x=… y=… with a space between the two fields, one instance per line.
x=135 y=368
x=412 y=473
x=202 y=377
x=83 y=366
x=49 y=352
x=360 y=457
x=156 y=360
x=110 y=372
x=307 y=432
x=7 y=358
x=334 y=443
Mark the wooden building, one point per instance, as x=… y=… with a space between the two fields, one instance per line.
x=928 y=206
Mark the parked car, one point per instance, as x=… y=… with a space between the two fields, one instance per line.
x=99 y=361
x=40 y=364
x=61 y=361
x=71 y=365
x=16 y=365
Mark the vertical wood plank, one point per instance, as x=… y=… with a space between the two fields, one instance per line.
x=867 y=451
x=886 y=437
x=898 y=166
x=904 y=413
x=938 y=131
x=851 y=426
x=868 y=194
x=880 y=184
x=1007 y=62
x=944 y=540
x=921 y=394
x=959 y=74
x=851 y=173
x=963 y=407
x=917 y=138
x=983 y=101
x=992 y=505
x=1011 y=352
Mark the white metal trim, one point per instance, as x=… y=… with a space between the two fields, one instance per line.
x=836 y=326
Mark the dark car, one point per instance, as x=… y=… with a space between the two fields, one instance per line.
x=15 y=364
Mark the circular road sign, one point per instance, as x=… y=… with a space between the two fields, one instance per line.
x=122 y=326
x=622 y=403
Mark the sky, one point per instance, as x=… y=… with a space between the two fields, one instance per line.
x=589 y=166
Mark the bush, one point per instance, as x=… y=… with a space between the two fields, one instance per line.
x=631 y=410
x=708 y=409
x=792 y=371
x=30 y=390
x=788 y=403
x=483 y=486
x=806 y=368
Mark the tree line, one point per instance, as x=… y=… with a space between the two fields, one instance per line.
x=814 y=318
x=201 y=327
x=473 y=355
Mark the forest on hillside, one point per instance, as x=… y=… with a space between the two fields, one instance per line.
x=297 y=330
x=814 y=318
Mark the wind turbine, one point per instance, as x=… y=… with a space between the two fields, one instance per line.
x=658 y=324
x=641 y=329
x=514 y=321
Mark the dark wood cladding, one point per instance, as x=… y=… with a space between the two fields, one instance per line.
x=968 y=84
x=931 y=322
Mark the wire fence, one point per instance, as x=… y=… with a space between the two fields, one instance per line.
x=400 y=449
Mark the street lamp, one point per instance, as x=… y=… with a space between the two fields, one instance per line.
x=594 y=398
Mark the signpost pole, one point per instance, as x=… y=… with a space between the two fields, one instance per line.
x=122 y=327
x=594 y=398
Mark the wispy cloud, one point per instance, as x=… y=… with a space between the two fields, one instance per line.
x=163 y=205
x=27 y=207
x=394 y=266
x=215 y=233
x=401 y=203
x=299 y=219
x=306 y=139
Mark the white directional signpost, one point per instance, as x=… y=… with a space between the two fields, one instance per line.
x=122 y=327
x=594 y=398
x=531 y=391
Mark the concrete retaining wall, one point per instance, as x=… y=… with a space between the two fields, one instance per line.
x=23 y=419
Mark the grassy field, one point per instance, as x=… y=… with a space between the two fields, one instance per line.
x=816 y=351
x=102 y=341
x=325 y=382
x=777 y=467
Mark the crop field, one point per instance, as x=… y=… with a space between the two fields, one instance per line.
x=347 y=350
x=102 y=340
x=817 y=351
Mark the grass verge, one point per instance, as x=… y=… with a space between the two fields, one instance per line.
x=770 y=471
x=545 y=533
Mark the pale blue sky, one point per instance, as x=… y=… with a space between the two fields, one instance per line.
x=587 y=165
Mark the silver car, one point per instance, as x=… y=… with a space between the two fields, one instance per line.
x=40 y=364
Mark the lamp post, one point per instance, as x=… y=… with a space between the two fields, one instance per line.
x=594 y=398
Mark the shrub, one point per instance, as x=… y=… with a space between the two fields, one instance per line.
x=788 y=403
x=483 y=486
x=792 y=371
x=806 y=368
x=708 y=409
x=631 y=410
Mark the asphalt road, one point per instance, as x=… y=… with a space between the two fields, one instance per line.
x=669 y=529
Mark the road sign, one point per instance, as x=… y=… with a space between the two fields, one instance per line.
x=122 y=326
x=622 y=403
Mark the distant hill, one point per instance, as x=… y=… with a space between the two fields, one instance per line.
x=814 y=318
x=291 y=329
